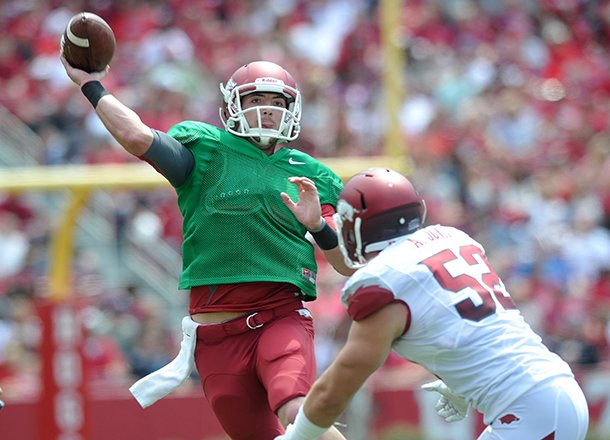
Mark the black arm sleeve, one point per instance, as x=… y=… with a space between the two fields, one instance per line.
x=169 y=157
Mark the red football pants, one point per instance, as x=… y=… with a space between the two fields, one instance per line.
x=246 y=378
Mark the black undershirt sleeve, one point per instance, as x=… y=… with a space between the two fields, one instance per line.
x=170 y=158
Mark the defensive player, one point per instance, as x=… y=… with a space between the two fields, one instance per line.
x=430 y=294
x=246 y=260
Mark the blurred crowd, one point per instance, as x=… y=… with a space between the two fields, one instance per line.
x=505 y=119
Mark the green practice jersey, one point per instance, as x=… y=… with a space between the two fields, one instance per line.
x=236 y=227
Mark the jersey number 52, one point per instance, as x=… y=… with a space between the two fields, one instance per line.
x=487 y=286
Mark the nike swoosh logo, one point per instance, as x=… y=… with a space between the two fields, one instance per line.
x=291 y=161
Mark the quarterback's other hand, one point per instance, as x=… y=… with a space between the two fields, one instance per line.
x=449 y=406
x=307 y=209
x=80 y=77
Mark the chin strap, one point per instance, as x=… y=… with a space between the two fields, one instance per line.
x=263 y=141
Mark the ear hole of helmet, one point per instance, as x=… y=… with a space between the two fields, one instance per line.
x=362 y=202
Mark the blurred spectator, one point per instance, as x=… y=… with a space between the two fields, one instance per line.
x=19 y=362
x=14 y=245
x=154 y=345
x=102 y=353
x=146 y=226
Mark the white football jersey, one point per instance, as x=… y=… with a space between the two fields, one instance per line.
x=464 y=326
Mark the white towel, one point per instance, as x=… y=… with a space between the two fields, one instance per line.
x=160 y=383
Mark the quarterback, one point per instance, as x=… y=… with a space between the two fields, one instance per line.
x=247 y=263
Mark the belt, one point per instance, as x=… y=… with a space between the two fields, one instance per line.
x=214 y=333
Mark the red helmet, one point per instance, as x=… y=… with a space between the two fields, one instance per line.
x=376 y=207
x=266 y=77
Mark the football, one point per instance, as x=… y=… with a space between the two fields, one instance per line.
x=88 y=42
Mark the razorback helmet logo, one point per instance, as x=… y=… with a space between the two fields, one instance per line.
x=376 y=208
x=508 y=419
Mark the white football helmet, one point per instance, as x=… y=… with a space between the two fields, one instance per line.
x=376 y=208
x=262 y=77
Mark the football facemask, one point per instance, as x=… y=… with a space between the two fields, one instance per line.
x=261 y=77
